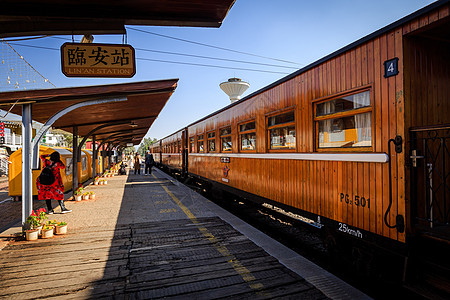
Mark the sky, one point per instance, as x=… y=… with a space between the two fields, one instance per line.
x=288 y=30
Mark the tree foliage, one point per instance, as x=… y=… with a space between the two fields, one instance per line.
x=145 y=145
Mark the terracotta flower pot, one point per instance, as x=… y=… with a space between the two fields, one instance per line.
x=61 y=229
x=95 y=182
x=32 y=234
x=91 y=196
x=77 y=197
x=39 y=228
x=101 y=182
x=85 y=197
x=47 y=233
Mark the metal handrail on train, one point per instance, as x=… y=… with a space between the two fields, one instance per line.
x=399 y=219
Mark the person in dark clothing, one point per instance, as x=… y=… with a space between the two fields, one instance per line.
x=149 y=161
x=122 y=170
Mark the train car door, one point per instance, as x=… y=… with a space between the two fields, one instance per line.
x=185 y=151
x=427 y=113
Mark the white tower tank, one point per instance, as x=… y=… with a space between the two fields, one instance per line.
x=234 y=88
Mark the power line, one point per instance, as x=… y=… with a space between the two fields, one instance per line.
x=212 y=66
x=211 y=46
x=172 y=62
x=205 y=57
x=216 y=58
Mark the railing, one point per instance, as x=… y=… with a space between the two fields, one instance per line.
x=3 y=165
x=13 y=139
x=430 y=174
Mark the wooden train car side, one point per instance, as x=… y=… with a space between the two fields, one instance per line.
x=318 y=140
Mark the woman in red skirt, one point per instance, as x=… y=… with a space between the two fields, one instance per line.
x=54 y=191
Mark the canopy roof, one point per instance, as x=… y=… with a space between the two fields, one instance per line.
x=123 y=122
x=36 y=17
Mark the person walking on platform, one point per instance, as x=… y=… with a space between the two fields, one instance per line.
x=54 y=191
x=137 y=164
x=149 y=161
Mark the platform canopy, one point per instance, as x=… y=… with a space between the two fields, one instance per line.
x=43 y=17
x=124 y=121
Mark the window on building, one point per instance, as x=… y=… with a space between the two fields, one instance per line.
x=344 y=122
x=247 y=136
x=225 y=139
x=281 y=130
x=200 y=144
x=212 y=142
x=191 y=144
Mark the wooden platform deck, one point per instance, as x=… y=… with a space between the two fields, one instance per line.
x=147 y=238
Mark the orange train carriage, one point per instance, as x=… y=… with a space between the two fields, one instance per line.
x=356 y=142
x=84 y=173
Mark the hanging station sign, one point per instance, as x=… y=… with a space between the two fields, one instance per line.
x=97 y=60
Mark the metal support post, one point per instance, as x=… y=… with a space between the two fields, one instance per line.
x=75 y=159
x=27 y=188
x=94 y=158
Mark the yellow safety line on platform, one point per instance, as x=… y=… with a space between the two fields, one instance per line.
x=237 y=266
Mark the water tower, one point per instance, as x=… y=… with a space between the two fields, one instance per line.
x=234 y=88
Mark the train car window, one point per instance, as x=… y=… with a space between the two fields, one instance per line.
x=344 y=122
x=200 y=144
x=191 y=144
x=281 y=130
x=247 y=136
x=212 y=142
x=179 y=146
x=69 y=166
x=84 y=163
x=225 y=139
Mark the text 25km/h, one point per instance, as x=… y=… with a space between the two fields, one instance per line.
x=355 y=200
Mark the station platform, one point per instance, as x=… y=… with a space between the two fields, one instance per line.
x=150 y=237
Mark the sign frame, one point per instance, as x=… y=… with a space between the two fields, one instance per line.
x=391 y=67
x=91 y=61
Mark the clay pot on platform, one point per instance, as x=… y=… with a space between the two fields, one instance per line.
x=91 y=196
x=47 y=232
x=77 y=197
x=61 y=229
x=31 y=234
x=85 y=197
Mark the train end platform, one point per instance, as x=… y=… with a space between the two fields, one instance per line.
x=150 y=237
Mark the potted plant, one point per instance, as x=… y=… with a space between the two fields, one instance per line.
x=51 y=223
x=32 y=223
x=47 y=231
x=96 y=180
x=78 y=193
x=91 y=195
x=85 y=195
x=61 y=228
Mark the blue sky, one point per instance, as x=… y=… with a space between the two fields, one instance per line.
x=292 y=30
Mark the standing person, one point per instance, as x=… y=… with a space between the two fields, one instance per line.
x=55 y=191
x=137 y=163
x=148 y=163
